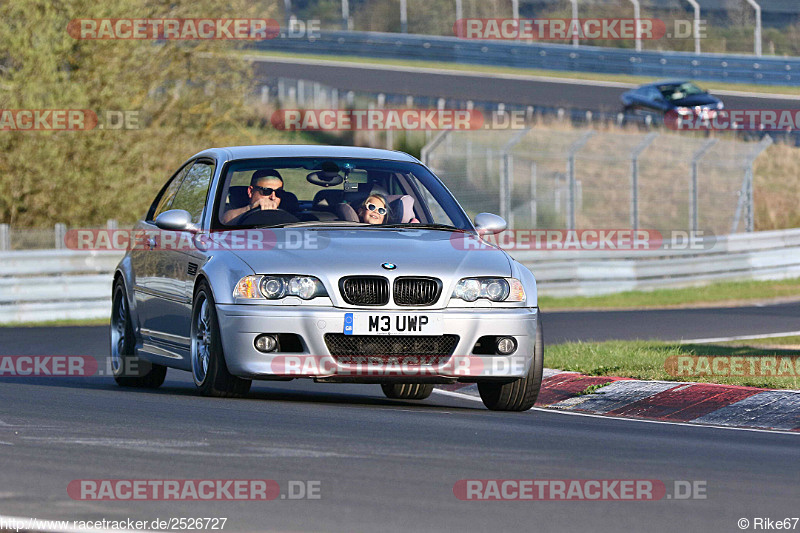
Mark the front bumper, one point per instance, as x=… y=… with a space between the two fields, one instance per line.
x=241 y=324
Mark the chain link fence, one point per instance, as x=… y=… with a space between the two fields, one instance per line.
x=544 y=177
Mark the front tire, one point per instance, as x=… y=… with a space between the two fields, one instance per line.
x=519 y=395
x=407 y=391
x=209 y=370
x=129 y=370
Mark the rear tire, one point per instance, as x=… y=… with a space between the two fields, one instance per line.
x=128 y=369
x=519 y=395
x=407 y=391
x=209 y=370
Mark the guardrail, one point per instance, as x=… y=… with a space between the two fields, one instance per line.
x=709 y=67
x=46 y=285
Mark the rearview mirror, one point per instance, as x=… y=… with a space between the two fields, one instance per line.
x=489 y=224
x=176 y=220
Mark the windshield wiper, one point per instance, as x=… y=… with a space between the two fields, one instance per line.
x=443 y=227
x=329 y=223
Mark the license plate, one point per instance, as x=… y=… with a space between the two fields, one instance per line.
x=392 y=324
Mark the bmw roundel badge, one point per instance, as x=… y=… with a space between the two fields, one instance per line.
x=389 y=266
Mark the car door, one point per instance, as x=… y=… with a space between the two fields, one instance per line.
x=175 y=268
x=145 y=254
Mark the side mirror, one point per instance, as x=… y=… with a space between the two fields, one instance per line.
x=176 y=220
x=489 y=224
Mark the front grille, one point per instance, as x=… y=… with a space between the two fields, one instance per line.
x=365 y=290
x=422 y=350
x=416 y=291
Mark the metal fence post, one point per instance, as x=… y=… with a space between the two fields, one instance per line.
x=693 y=207
x=745 y=202
x=425 y=153
x=403 y=16
x=60 y=231
x=696 y=25
x=468 y=152
x=345 y=15
x=5 y=238
x=301 y=94
x=648 y=139
x=287 y=13
x=572 y=187
x=637 y=13
x=757 y=34
x=507 y=175
x=574 y=16
x=534 y=201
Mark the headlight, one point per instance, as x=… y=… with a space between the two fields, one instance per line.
x=685 y=111
x=494 y=289
x=277 y=287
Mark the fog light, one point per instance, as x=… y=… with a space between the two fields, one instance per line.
x=266 y=343
x=506 y=345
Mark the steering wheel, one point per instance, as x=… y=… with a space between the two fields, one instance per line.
x=264 y=217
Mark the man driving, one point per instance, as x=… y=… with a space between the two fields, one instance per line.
x=265 y=190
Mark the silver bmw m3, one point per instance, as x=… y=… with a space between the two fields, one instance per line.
x=337 y=264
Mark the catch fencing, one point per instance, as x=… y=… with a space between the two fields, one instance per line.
x=582 y=178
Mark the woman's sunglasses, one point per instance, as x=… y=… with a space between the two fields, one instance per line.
x=380 y=210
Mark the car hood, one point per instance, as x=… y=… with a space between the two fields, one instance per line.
x=696 y=100
x=332 y=253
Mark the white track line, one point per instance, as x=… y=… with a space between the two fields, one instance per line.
x=742 y=337
x=644 y=420
x=491 y=75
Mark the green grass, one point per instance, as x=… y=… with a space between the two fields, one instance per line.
x=728 y=293
x=648 y=360
x=488 y=69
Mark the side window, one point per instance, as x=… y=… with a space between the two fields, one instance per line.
x=163 y=202
x=191 y=196
x=654 y=94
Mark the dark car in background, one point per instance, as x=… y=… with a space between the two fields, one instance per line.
x=679 y=96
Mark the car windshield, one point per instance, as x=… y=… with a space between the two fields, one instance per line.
x=277 y=192
x=679 y=91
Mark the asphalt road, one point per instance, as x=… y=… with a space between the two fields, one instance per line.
x=381 y=465
x=520 y=90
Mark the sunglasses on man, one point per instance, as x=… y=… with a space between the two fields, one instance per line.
x=267 y=191
x=380 y=210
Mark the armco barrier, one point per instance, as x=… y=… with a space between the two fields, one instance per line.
x=713 y=67
x=46 y=285
x=62 y=284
